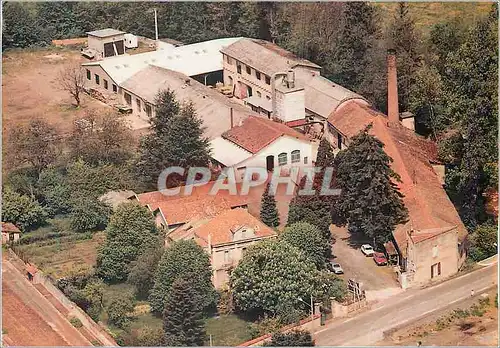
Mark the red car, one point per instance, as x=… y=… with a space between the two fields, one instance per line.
x=379 y=259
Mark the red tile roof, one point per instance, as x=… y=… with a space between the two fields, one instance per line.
x=428 y=204
x=256 y=133
x=200 y=204
x=221 y=227
x=10 y=227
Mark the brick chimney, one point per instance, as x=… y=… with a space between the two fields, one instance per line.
x=392 y=88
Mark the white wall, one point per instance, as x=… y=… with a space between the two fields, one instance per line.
x=97 y=43
x=290 y=106
x=285 y=144
x=97 y=69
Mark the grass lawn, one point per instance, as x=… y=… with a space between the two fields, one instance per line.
x=228 y=330
x=64 y=252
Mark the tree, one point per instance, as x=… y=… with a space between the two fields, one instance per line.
x=268 y=211
x=19 y=26
x=315 y=209
x=187 y=260
x=308 y=239
x=325 y=156
x=354 y=44
x=404 y=39
x=270 y=274
x=370 y=199
x=119 y=309
x=177 y=139
x=182 y=318
x=53 y=191
x=36 y=144
x=130 y=232
x=94 y=292
x=142 y=271
x=484 y=242
x=23 y=211
x=474 y=112
x=99 y=139
x=295 y=338
x=72 y=80
x=89 y=214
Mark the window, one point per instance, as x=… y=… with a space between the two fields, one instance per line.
x=89 y=75
x=249 y=70
x=128 y=98
x=305 y=160
x=105 y=84
x=257 y=75
x=259 y=94
x=268 y=80
x=138 y=101
x=282 y=159
x=97 y=79
x=238 y=68
x=229 y=60
x=148 y=110
x=243 y=234
x=114 y=88
x=295 y=156
x=436 y=270
x=268 y=97
x=226 y=256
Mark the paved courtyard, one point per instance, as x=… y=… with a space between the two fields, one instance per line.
x=378 y=281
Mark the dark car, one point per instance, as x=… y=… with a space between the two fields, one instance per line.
x=379 y=259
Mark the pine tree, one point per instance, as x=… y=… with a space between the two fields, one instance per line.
x=325 y=155
x=182 y=321
x=370 y=199
x=268 y=211
x=177 y=140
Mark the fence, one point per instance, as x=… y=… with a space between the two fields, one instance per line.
x=75 y=311
x=340 y=310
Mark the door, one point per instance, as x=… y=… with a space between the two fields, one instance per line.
x=339 y=141
x=270 y=163
x=249 y=91
x=436 y=269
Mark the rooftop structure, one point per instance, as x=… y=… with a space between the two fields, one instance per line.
x=265 y=56
x=105 y=32
x=190 y=60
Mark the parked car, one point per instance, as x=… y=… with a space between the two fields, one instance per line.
x=367 y=249
x=336 y=268
x=379 y=259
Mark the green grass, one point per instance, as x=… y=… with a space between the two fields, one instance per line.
x=228 y=330
x=57 y=250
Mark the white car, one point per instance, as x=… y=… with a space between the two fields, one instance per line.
x=336 y=268
x=367 y=250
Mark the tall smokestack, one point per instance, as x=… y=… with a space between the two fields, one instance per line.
x=392 y=87
x=231 y=116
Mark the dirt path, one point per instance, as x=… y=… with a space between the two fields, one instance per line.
x=29 y=318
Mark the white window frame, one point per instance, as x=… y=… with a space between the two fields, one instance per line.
x=282 y=156
x=295 y=156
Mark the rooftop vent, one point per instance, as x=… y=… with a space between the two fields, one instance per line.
x=169 y=57
x=205 y=50
x=125 y=65
x=117 y=66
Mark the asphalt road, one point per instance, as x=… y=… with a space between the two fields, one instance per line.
x=369 y=327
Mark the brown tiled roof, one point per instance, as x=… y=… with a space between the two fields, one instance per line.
x=219 y=228
x=428 y=204
x=256 y=133
x=265 y=56
x=10 y=227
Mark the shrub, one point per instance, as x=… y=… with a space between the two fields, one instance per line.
x=75 y=322
x=119 y=308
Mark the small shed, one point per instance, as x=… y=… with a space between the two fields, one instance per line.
x=10 y=233
x=131 y=41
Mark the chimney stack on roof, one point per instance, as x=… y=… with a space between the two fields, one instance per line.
x=392 y=88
